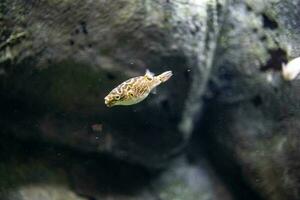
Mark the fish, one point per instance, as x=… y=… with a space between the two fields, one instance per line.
x=291 y=70
x=135 y=89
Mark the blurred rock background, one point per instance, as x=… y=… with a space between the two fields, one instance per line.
x=224 y=127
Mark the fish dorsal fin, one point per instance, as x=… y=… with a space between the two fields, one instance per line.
x=149 y=74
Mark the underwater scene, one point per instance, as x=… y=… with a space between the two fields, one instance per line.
x=149 y=100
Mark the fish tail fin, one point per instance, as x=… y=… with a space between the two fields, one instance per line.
x=165 y=76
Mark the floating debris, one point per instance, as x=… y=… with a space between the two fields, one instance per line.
x=97 y=127
x=135 y=89
x=291 y=70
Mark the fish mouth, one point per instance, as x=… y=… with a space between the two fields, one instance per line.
x=108 y=102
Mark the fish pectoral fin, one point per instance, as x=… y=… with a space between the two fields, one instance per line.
x=154 y=91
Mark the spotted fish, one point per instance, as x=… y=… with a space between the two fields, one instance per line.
x=136 y=89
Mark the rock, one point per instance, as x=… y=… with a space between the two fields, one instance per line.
x=46 y=192
x=28 y=170
x=254 y=117
x=59 y=60
x=260 y=135
x=191 y=182
x=183 y=180
x=53 y=172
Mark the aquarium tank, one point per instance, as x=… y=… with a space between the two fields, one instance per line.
x=149 y=100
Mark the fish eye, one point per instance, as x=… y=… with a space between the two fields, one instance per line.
x=117 y=97
x=149 y=78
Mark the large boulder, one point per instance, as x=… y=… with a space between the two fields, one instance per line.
x=43 y=171
x=46 y=192
x=60 y=58
x=252 y=123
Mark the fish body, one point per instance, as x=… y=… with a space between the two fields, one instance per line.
x=136 y=89
x=291 y=70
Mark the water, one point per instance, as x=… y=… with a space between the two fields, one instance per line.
x=224 y=127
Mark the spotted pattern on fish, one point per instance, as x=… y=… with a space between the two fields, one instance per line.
x=135 y=89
